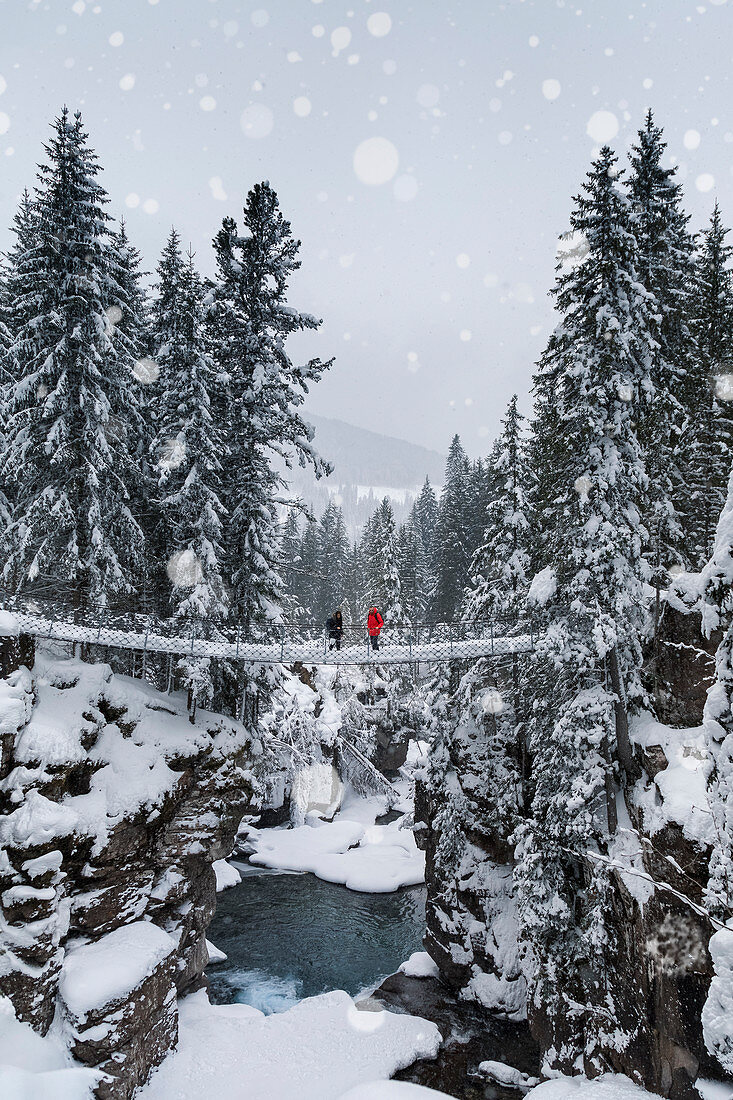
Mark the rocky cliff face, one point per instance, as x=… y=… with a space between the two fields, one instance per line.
x=113 y=808
x=663 y=843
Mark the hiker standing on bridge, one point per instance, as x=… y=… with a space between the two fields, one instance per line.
x=335 y=628
x=375 y=623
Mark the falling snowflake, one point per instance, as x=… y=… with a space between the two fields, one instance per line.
x=146 y=371
x=127 y=82
x=379 y=24
x=376 y=161
x=217 y=189
x=492 y=702
x=172 y=454
x=257 y=121
x=602 y=126
x=184 y=569
x=724 y=387
x=551 y=88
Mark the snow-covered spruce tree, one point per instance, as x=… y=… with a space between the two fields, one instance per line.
x=291 y=566
x=128 y=323
x=710 y=422
x=73 y=533
x=452 y=545
x=12 y=269
x=664 y=266
x=308 y=586
x=499 y=570
x=592 y=380
x=250 y=321
x=389 y=596
x=14 y=264
x=413 y=569
x=475 y=778
x=188 y=450
x=333 y=551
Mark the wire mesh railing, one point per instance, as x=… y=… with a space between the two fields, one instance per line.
x=284 y=643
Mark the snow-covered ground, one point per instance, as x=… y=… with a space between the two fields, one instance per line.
x=317 y=1050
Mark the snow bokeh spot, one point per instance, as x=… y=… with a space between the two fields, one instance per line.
x=207 y=103
x=582 y=486
x=146 y=371
x=132 y=200
x=405 y=188
x=533 y=41
x=259 y=18
x=625 y=392
x=376 y=161
x=505 y=137
x=302 y=106
x=294 y=57
x=428 y=95
x=379 y=24
x=116 y=38
x=463 y=259
x=465 y=335
x=217 y=189
x=318 y=31
x=413 y=363
x=724 y=387
x=602 y=127
x=184 y=569
x=114 y=316
x=551 y=88
x=127 y=82
x=4 y=122
x=3 y=84
x=492 y=702
x=691 y=139
x=151 y=206
x=705 y=182
x=389 y=67
x=340 y=38
x=257 y=121
x=172 y=454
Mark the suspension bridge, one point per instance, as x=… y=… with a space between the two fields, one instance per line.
x=287 y=644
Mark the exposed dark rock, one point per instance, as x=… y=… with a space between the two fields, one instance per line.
x=683 y=668
x=470 y=1036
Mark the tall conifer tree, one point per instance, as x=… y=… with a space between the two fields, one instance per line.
x=593 y=379
x=71 y=472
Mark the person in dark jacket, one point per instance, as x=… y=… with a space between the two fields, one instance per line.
x=335 y=628
x=375 y=622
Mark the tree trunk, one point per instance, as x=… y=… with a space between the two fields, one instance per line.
x=623 y=741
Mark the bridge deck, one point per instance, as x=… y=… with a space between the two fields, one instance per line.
x=399 y=645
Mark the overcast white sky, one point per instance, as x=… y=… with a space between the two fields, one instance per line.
x=429 y=250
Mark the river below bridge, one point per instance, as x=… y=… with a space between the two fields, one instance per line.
x=290 y=936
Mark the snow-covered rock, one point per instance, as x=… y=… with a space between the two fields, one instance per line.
x=226 y=875
x=717 y=1013
x=368 y=857
x=420 y=965
x=317 y=1050
x=116 y=807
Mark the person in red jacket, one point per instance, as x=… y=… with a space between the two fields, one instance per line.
x=374 y=624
